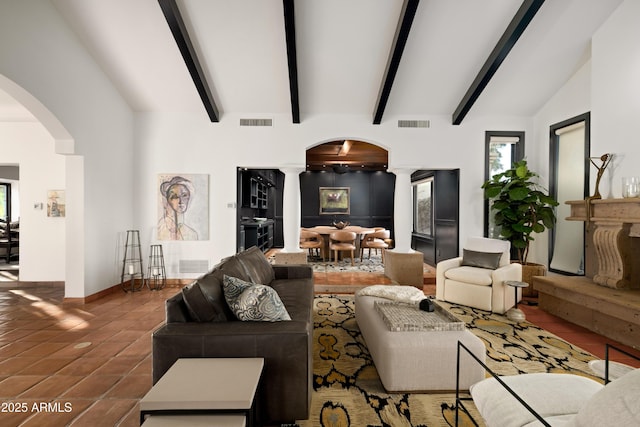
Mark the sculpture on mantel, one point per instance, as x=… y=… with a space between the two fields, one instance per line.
x=605 y=159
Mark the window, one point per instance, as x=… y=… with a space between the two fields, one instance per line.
x=423 y=206
x=502 y=150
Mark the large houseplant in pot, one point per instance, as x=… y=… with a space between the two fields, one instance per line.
x=521 y=207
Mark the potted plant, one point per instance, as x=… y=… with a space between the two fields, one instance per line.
x=520 y=207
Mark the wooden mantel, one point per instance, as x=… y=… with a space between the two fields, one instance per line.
x=613 y=240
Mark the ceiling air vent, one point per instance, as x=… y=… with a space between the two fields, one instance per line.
x=256 y=122
x=414 y=123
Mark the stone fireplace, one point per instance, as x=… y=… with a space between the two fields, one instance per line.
x=612 y=244
x=607 y=299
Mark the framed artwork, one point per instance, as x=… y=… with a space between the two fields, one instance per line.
x=56 y=204
x=183 y=207
x=334 y=200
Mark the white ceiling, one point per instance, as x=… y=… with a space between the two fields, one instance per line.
x=343 y=48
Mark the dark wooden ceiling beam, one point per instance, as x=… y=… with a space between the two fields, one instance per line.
x=292 y=57
x=516 y=27
x=181 y=36
x=407 y=14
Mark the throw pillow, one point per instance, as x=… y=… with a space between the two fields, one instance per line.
x=615 y=405
x=200 y=309
x=488 y=260
x=253 y=302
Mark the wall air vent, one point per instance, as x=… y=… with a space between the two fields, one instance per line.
x=256 y=122
x=194 y=266
x=414 y=123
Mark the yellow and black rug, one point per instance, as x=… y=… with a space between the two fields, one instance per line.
x=348 y=391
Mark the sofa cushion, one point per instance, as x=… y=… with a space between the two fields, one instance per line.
x=232 y=266
x=211 y=286
x=490 y=260
x=471 y=275
x=200 y=308
x=257 y=266
x=615 y=405
x=253 y=302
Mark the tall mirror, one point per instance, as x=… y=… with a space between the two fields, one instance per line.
x=569 y=180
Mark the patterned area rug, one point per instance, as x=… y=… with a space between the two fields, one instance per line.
x=348 y=391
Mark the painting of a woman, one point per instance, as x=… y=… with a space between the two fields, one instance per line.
x=176 y=196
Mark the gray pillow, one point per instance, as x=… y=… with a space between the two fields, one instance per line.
x=490 y=260
x=200 y=309
x=253 y=302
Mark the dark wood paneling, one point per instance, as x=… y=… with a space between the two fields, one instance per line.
x=371 y=196
x=447 y=214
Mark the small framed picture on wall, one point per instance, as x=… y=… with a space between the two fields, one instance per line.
x=334 y=200
x=55 y=203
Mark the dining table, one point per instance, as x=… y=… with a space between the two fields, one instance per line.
x=326 y=230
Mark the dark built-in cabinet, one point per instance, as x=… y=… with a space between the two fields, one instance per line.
x=258 y=234
x=443 y=243
x=259 y=196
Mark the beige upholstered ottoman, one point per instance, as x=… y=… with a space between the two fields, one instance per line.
x=417 y=360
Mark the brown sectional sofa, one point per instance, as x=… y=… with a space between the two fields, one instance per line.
x=286 y=346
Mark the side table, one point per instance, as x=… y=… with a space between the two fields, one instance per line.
x=206 y=386
x=515 y=314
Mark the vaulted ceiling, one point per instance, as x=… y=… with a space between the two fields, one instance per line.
x=385 y=59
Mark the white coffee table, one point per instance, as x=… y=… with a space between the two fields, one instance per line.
x=206 y=386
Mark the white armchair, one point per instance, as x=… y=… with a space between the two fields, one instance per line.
x=475 y=286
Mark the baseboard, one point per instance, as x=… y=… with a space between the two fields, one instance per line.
x=170 y=283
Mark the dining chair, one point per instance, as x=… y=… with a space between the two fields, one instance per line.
x=376 y=240
x=311 y=240
x=342 y=241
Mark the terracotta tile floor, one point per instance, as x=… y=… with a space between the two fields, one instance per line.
x=87 y=365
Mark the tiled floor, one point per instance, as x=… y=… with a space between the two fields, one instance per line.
x=87 y=365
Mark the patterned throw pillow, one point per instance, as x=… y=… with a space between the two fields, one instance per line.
x=253 y=302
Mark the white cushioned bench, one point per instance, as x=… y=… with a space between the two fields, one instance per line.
x=417 y=360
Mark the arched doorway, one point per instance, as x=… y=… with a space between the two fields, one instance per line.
x=67 y=242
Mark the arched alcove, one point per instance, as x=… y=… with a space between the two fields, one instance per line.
x=355 y=168
x=346 y=154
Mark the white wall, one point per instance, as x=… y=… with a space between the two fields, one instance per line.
x=111 y=179
x=174 y=143
x=42 y=239
x=609 y=86
x=40 y=54
x=616 y=96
